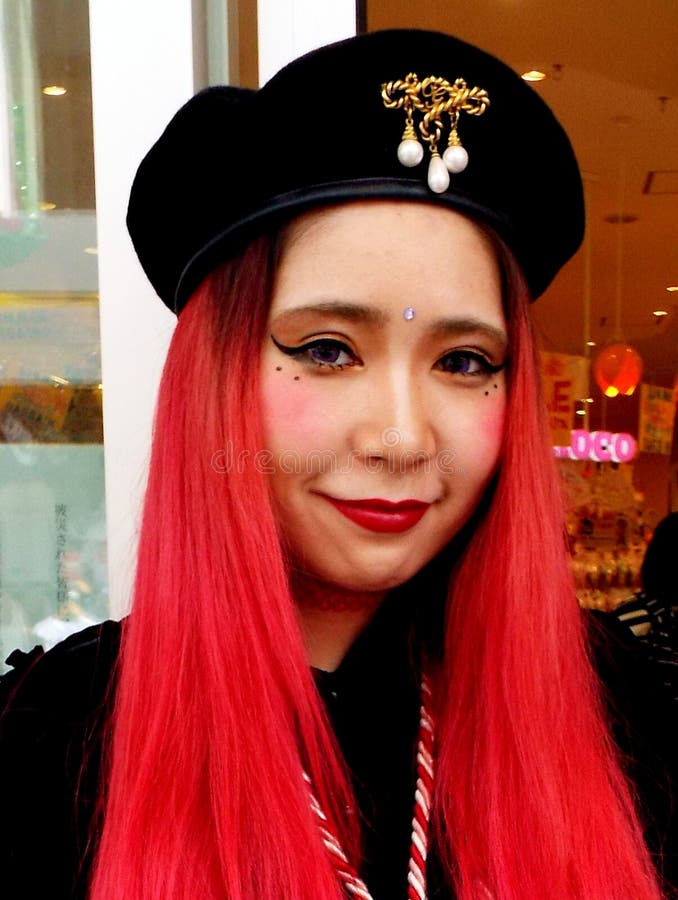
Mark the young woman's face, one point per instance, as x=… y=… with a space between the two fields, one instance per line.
x=383 y=383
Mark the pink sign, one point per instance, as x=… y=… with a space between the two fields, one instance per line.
x=600 y=446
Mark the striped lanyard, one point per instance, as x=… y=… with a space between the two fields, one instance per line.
x=419 y=845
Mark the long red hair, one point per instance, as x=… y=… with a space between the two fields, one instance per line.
x=531 y=800
x=217 y=716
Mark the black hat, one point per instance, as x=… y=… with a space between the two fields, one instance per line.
x=330 y=127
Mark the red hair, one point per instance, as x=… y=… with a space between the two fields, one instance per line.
x=217 y=715
x=530 y=797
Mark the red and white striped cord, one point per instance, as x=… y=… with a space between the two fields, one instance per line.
x=347 y=874
x=423 y=794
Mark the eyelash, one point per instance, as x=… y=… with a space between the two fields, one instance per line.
x=306 y=350
x=485 y=368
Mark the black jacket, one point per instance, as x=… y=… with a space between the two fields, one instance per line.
x=55 y=704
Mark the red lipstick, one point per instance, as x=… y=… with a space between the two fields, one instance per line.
x=382 y=516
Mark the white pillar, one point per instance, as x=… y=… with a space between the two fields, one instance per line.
x=288 y=28
x=146 y=62
x=142 y=71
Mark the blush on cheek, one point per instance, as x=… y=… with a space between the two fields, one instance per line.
x=491 y=427
x=293 y=412
x=493 y=424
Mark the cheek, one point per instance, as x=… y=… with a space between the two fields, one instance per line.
x=494 y=422
x=293 y=412
x=476 y=433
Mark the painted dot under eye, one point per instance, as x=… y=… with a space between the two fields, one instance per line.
x=487 y=393
x=296 y=378
x=279 y=369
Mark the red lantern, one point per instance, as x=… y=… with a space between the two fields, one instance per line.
x=618 y=370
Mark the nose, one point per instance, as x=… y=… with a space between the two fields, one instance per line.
x=396 y=421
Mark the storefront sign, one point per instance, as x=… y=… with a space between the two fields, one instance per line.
x=657 y=411
x=600 y=446
x=565 y=380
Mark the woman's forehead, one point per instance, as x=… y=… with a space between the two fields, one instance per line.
x=388 y=214
x=388 y=253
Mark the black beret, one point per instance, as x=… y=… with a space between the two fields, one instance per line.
x=326 y=129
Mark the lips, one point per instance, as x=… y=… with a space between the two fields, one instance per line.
x=383 y=516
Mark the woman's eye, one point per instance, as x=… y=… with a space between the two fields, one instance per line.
x=330 y=353
x=325 y=352
x=466 y=362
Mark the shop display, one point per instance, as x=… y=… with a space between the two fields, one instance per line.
x=606 y=530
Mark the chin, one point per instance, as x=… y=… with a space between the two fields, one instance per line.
x=372 y=575
x=370 y=584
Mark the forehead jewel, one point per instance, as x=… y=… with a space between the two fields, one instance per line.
x=432 y=108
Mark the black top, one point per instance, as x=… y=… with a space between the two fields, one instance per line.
x=56 y=703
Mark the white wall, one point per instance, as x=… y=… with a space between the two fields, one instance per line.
x=288 y=28
x=142 y=71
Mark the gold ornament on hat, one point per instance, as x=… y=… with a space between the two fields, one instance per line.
x=439 y=105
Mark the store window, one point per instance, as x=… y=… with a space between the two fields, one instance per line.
x=53 y=577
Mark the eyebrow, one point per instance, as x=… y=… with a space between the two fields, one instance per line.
x=356 y=312
x=458 y=327
x=352 y=312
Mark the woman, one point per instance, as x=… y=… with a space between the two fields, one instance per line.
x=352 y=583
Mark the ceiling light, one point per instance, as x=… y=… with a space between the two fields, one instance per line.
x=46 y=205
x=57 y=379
x=658 y=313
x=91 y=250
x=672 y=287
x=533 y=75
x=588 y=399
x=590 y=343
x=54 y=90
x=580 y=412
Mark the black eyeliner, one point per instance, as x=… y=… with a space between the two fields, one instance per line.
x=493 y=370
x=488 y=368
x=295 y=352
x=288 y=351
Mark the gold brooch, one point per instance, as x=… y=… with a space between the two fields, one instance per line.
x=434 y=98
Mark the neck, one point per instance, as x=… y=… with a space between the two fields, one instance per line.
x=331 y=617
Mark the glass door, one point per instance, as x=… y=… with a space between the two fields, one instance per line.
x=53 y=573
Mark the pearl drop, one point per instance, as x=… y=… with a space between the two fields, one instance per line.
x=438 y=176
x=410 y=153
x=455 y=159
